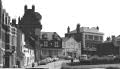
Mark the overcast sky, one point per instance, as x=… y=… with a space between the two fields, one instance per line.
x=57 y=15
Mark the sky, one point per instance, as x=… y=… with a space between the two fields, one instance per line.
x=57 y=15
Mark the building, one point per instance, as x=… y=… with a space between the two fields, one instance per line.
x=28 y=51
x=25 y=52
x=109 y=47
x=50 y=45
x=28 y=24
x=10 y=44
x=19 y=49
x=89 y=37
x=8 y=36
x=2 y=43
x=71 y=47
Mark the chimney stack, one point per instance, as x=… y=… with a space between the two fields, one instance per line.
x=78 y=28
x=97 y=28
x=113 y=38
x=33 y=8
x=68 y=29
x=13 y=21
x=25 y=8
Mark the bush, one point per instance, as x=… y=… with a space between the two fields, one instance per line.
x=112 y=68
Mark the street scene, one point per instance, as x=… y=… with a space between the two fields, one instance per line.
x=25 y=44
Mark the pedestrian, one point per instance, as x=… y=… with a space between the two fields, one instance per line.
x=33 y=65
x=71 y=60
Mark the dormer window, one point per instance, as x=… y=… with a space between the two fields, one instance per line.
x=54 y=36
x=45 y=43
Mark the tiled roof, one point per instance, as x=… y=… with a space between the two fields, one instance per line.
x=49 y=35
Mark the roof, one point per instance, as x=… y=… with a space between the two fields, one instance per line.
x=50 y=35
x=67 y=38
x=87 y=29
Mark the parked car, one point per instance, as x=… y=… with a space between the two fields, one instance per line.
x=55 y=58
x=83 y=57
x=43 y=62
x=49 y=59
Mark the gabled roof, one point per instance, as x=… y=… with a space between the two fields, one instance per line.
x=50 y=35
x=67 y=38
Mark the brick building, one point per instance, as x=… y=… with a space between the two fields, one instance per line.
x=9 y=39
x=89 y=37
x=50 y=44
x=2 y=43
x=110 y=47
x=19 y=49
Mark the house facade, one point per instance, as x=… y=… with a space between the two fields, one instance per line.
x=50 y=44
x=71 y=47
x=89 y=37
x=19 y=49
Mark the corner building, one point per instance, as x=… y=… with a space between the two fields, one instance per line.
x=89 y=38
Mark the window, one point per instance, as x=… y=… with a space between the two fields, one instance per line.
x=101 y=38
x=41 y=45
x=90 y=37
x=86 y=36
x=87 y=45
x=118 y=42
x=96 y=38
x=56 y=44
x=45 y=43
x=44 y=36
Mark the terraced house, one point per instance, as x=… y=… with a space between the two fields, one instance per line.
x=50 y=44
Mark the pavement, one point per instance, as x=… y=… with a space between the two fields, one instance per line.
x=62 y=64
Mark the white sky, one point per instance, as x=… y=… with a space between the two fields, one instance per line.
x=57 y=15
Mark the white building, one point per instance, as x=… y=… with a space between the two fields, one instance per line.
x=71 y=47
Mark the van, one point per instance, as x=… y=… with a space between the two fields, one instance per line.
x=83 y=57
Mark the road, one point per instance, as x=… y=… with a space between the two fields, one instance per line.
x=59 y=64
x=53 y=65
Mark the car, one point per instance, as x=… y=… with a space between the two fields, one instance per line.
x=43 y=62
x=55 y=58
x=49 y=59
x=83 y=57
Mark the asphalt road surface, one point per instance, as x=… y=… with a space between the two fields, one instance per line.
x=53 y=65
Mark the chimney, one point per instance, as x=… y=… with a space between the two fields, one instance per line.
x=78 y=28
x=13 y=21
x=108 y=39
x=97 y=28
x=33 y=8
x=19 y=19
x=25 y=8
x=68 y=29
x=113 y=38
